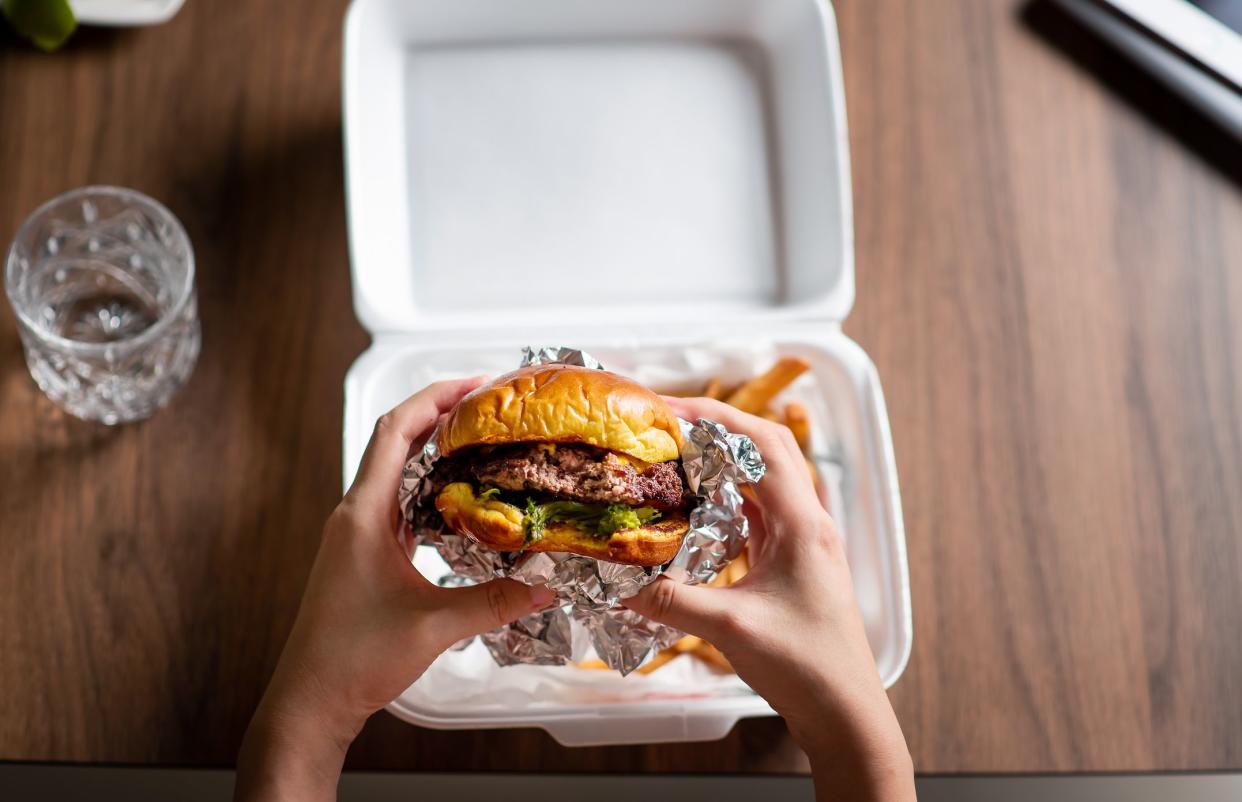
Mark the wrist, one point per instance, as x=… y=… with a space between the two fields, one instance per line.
x=295 y=745
x=288 y=755
x=300 y=702
x=857 y=754
x=880 y=775
x=875 y=734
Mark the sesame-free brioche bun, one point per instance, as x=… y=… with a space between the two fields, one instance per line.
x=565 y=404
x=499 y=526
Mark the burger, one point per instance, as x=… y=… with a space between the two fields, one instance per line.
x=567 y=459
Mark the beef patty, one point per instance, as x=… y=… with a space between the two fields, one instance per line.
x=578 y=472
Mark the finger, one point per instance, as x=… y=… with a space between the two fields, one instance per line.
x=786 y=482
x=776 y=437
x=397 y=430
x=481 y=608
x=698 y=610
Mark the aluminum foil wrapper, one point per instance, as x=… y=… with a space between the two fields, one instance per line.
x=715 y=461
x=559 y=355
x=542 y=639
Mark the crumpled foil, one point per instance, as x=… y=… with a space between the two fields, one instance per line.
x=715 y=461
x=559 y=355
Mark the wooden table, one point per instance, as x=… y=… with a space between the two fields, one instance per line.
x=1049 y=277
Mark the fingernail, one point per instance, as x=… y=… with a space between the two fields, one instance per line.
x=541 y=595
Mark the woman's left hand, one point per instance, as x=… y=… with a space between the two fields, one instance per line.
x=369 y=624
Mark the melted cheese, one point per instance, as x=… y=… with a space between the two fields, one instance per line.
x=634 y=462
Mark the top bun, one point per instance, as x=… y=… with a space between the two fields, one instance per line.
x=565 y=404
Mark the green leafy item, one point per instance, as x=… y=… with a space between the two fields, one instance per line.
x=619 y=517
x=46 y=23
x=598 y=519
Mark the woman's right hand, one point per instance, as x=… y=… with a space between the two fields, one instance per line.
x=791 y=627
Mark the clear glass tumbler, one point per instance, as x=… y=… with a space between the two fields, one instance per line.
x=102 y=282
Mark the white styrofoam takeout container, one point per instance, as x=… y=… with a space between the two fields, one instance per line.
x=664 y=183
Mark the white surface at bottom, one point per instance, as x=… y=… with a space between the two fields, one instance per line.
x=91 y=784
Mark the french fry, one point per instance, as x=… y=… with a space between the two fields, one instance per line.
x=755 y=395
x=768 y=414
x=713 y=655
x=740 y=565
x=686 y=644
x=659 y=660
x=731 y=573
x=683 y=392
x=592 y=664
x=799 y=422
x=713 y=389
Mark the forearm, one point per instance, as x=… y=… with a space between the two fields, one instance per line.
x=284 y=758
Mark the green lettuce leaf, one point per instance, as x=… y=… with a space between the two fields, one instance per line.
x=536 y=519
x=619 y=517
x=599 y=519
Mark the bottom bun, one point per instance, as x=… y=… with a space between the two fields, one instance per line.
x=498 y=525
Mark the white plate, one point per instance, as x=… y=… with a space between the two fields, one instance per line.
x=125 y=13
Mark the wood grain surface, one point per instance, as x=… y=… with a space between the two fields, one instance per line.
x=1049 y=267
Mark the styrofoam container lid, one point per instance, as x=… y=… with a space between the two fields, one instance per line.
x=595 y=163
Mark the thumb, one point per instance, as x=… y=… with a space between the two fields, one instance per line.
x=480 y=608
x=698 y=610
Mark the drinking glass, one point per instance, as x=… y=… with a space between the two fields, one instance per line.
x=102 y=282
